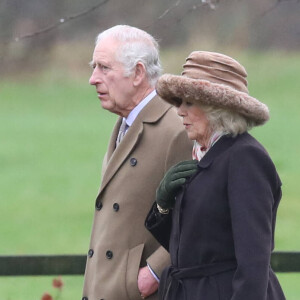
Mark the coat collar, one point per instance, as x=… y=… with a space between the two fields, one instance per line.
x=151 y=113
x=221 y=146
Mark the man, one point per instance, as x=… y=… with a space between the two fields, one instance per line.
x=124 y=260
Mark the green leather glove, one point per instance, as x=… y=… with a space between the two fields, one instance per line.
x=173 y=180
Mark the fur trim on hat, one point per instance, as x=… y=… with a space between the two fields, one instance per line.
x=174 y=88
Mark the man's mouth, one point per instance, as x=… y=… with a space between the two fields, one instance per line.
x=101 y=94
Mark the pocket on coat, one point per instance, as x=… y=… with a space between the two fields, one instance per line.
x=133 y=266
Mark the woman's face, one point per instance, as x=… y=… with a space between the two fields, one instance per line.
x=195 y=122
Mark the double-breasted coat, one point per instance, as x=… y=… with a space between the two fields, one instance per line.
x=120 y=243
x=221 y=233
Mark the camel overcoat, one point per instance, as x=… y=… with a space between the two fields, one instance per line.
x=221 y=233
x=120 y=243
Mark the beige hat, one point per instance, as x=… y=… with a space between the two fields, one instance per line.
x=213 y=79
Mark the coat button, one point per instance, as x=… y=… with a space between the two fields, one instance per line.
x=116 y=206
x=91 y=253
x=133 y=161
x=98 y=205
x=109 y=254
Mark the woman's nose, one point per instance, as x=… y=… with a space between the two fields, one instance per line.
x=180 y=110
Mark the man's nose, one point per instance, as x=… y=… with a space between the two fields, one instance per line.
x=95 y=77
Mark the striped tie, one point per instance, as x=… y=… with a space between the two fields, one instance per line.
x=122 y=132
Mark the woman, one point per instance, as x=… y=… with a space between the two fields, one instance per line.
x=216 y=214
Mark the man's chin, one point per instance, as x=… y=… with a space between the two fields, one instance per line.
x=105 y=104
x=108 y=107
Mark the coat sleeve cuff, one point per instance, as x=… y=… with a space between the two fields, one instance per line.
x=158 y=261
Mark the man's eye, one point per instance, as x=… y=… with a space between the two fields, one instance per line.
x=103 y=68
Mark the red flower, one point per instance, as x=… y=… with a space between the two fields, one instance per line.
x=46 y=296
x=57 y=283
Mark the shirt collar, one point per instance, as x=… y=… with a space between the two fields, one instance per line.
x=134 y=113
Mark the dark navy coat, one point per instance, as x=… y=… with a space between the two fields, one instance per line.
x=223 y=218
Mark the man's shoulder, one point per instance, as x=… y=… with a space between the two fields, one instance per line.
x=171 y=117
x=159 y=105
x=170 y=110
x=158 y=110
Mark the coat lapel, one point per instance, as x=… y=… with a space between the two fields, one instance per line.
x=151 y=113
x=113 y=138
x=222 y=145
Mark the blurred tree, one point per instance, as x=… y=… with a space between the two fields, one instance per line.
x=30 y=29
x=21 y=17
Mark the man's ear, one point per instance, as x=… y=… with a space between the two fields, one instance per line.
x=139 y=74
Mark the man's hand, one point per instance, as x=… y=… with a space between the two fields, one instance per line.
x=147 y=284
x=173 y=180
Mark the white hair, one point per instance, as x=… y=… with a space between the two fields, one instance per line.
x=136 y=46
x=228 y=121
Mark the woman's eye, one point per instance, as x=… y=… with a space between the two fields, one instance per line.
x=188 y=103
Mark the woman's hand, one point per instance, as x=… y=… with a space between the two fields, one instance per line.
x=173 y=180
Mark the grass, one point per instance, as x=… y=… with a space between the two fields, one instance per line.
x=54 y=135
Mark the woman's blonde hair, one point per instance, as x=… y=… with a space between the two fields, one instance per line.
x=224 y=120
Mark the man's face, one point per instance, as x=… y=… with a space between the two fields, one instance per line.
x=115 y=91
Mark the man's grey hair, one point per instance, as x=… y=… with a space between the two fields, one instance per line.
x=136 y=46
x=227 y=121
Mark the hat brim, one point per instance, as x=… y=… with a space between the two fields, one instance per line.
x=174 y=88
